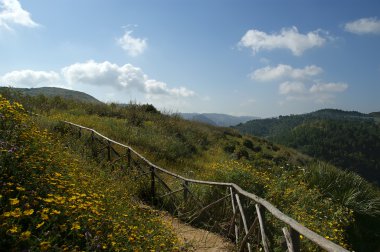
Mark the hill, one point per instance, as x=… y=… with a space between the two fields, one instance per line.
x=54 y=91
x=347 y=139
x=223 y=120
x=348 y=214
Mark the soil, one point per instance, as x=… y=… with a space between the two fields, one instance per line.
x=197 y=239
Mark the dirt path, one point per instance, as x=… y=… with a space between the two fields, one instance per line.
x=198 y=239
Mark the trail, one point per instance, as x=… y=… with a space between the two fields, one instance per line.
x=198 y=239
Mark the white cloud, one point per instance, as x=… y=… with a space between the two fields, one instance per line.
x=30 y=78
x=288 y=38
x=104 y=73
x=291 y=87
x=281 y=71
x=321 y=93
x=133 y=46
x=364 y=26
x=125 y=77
x=328 y=87
x=12 y=13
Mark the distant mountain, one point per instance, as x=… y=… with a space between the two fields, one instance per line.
x=223 y=120
x=347 y=139
x=54 y=91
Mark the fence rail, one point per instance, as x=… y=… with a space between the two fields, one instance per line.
x=291 y=230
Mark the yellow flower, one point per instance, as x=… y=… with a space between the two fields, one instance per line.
x=19 y=188
x=25 y=235
x=40 y=225
x=44 y=246
x=49 y=200
x=55 y=212
x=75 y=226
x=14 y=201
x=28 y=212
x=16 y=213
x=7 y=214
x=44 y=216
x=13 y=230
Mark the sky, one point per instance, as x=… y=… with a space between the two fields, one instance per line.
x=260 y=57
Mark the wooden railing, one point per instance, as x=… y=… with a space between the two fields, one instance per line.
x=291 y=228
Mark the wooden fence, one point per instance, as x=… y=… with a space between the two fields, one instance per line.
x=242 y=234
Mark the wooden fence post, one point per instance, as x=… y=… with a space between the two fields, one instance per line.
x=295 y=236
x=152 y=183
x=234 y=213
x=262 y=228
x=108 y=150
x=129 y=158
x=185 y=186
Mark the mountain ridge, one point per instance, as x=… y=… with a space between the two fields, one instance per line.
x=217 y=119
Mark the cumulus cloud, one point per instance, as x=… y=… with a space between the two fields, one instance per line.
x=125 y=77
x=11 y=12
x=364 y=26
x=281 y=71
x=30 y=78
x=288 y=38
x=132 y=45
x=291 y=87
x=322 y=93
x=328 y=87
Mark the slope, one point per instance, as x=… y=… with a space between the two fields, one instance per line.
x=349 y=140
x=278 y=174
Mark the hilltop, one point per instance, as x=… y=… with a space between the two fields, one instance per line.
x=216 y=119
x=54 y=91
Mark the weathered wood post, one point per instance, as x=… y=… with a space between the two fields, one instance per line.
x=260 y=216
x=108 y=150
x=296 y=239
x=185 y=185
x=234 y=214
x=152 y=182
x=129 y=158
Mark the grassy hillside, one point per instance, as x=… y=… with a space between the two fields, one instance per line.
x=349 y=140
x=348 y=215
x=53 y=200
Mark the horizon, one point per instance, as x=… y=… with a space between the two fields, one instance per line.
x=262 y=59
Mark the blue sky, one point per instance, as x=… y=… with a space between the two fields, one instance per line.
x=260 y=58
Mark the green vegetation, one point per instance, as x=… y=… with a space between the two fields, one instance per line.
x=52 y=92
x=52 y=200
x=339 y=205
x=348 y=140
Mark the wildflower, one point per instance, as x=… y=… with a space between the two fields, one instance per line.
x=44 y=216
x=19 y=188
x=14 y=201
x=7 y=214
x=75 y=226
x=28 y=212
x=40 y=225
x=44 y=246
x=16 y=213
x=25 y=235
x=48 y=200
x=13 y=230
x=55 y=212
